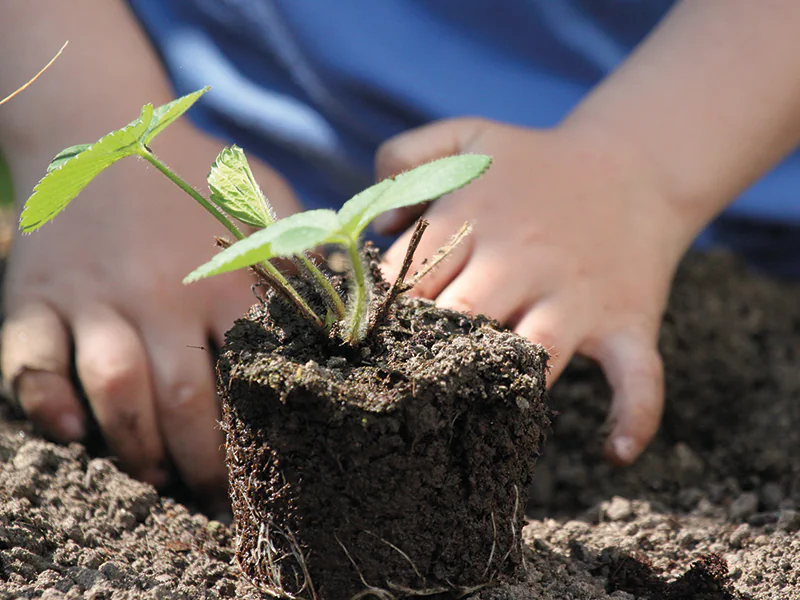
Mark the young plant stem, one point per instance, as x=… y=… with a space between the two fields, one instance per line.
x=277 y=278
x=175 y=178
x=399 y=286
x=325 y=284
x=360 y=287
x=288 y=289
x=269 y=274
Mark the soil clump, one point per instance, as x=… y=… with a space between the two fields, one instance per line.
x=398 y=467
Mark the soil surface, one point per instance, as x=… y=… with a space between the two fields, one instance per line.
x=711 y=511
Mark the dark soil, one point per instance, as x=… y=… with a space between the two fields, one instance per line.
x=399 y=466
x=720 y=483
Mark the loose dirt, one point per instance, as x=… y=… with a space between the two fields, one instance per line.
x=711 y=511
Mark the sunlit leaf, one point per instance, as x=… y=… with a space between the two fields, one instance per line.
x=62 y=184
x=354 y=210
x=167 y=113
x=426 y=182
x=65 y=155
x=284 y=238
x=234 y=189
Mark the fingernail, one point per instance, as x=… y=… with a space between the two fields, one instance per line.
x=71 y=428
x=624 y=448
x=385 y=221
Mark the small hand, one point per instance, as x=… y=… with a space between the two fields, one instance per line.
x=573 y=246
x=101 y=286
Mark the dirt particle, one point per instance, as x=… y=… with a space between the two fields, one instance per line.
x=743 y=507
x=619 y=509
x=788 y=520
x=740 y=535
x=111 y=570
x=36 y=455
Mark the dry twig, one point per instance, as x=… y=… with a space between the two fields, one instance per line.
x=34 y=78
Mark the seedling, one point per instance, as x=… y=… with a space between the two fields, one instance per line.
x=234 y=194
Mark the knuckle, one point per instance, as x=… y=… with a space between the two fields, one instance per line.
x=124 y=422
x=180 y=396
x=111 y=376
x=389 y=159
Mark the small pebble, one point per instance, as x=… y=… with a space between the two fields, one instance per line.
x=686 y=539
x=788 y=520
x=689 y=497
x=704 y=508
x=619 y=509
x=34 y=454
x=743 y=507
x=740 y=535
x=111 y=570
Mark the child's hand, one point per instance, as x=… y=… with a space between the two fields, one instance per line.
x=574 y=246
x=102 y=285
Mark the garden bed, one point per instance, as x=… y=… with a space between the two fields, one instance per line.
x=711 y=508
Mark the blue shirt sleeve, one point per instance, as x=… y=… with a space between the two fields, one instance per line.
x=314 y=86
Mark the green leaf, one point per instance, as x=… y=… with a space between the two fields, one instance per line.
x=65 y=155
x=165 y=114
x=352 y=212
x=64 y=182
x=284 y=238
x=234 y=189
x=424 y=183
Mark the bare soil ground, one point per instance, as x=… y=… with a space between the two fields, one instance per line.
x=711 y=511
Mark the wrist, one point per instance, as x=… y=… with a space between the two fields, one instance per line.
x=685 y=211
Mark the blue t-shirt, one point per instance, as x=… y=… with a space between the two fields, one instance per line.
x=314 y=86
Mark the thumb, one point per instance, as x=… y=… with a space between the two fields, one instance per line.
x=413 y=148
x=635 y=372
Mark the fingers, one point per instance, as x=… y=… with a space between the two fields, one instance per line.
x=395 y=221
x=187 y=406
x=113 y=368
x=483 y=285
x=557 y=329
x=414 y=147
x=35 y=359
x=135 y=410
x=635 y=372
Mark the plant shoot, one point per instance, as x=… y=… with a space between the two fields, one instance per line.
x=235 y=196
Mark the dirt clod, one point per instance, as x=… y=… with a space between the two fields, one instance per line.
x=401 y=468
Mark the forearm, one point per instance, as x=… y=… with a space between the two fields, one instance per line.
x=709 y=102
x=100 y=83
